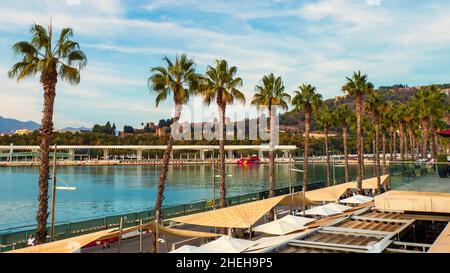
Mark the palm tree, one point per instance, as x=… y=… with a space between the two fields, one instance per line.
x=409 y=118
x=399 y=113
x=325 y=119
x=270 y=95
x=50 y=59
x=384 y=127
x=179 y=80
x=428 y=102
x=374 y=106
x=221 y=85
x=306 y=99
x=358 y=86
x=345 y=117
x=389 y=116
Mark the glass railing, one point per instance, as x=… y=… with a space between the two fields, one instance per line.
x=421 y=177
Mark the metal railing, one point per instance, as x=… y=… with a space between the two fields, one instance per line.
x=15 y=238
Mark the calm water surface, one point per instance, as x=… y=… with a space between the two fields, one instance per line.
x=113 y=190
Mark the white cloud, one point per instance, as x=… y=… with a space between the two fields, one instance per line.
x=73 y=2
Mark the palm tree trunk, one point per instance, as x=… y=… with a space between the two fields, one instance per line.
x=327 y=157
x=412 y=141
x=384 y=153
x=374 y=144
x=424 y=125
x=377 y=152
x=223 y=191
x=344 y=136
x=163 y=175
x=395 y=144
x=48 y=81
x=391 y=142
x=272 y=115
x=406 y=148
x=402 y=143
x=433 y=145
x=306 y=149
x=359 y=142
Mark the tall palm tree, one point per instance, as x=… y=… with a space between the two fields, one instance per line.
x=50 y=59
x=358 y=86
x=221 y=85
x=384 y=127
x=428 y=102
x=179 y=80
x=374 y=106
x=270 y=95
x=325 y=120
x=399 y=114
x=345 y=117
x=389 y=116
x=306 y=99
x=409 y=118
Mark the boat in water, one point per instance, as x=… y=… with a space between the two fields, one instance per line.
x=253 y=160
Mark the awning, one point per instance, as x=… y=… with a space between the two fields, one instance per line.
x=444 y=133
x=295 y=199
x=163 y=230
x=279 y=227
x=69 y=245
x=327 y=210
x=226 y=244
x=266 y=242
x=302 y=221
x=330 y=194
x=357 y=199
x=371 y=183
x=240 y=216
x=191 y=249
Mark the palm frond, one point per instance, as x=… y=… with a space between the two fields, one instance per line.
x=70 y=74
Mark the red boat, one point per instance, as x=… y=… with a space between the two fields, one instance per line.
x=253 y=160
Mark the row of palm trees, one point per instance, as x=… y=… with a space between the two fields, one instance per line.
x=178 y=80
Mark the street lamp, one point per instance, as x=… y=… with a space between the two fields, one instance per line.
x=54 y=188
x=290 y=184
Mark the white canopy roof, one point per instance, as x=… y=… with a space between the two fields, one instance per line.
x=357 y=199
x=226 y=244
x=279 y=227
x=301 y=221
x=327 y=210
x=187 y=249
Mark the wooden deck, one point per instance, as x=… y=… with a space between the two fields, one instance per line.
x=402 y=201
x=442 y=243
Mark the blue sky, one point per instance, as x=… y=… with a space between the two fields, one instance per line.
x=312 y=41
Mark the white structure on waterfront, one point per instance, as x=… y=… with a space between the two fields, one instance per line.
x=139 y=149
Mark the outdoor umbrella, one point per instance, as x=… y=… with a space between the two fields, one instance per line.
x=187 y=249
x=301 y=221
x=279 y=227
x=357 y=199
x=226 y=244
x=327 y=210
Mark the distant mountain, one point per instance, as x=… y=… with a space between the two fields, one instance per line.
x=8 y=125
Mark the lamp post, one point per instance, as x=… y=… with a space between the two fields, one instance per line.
x=54 y=188
x=304 y=196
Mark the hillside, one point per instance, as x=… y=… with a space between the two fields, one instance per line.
x=290 y=121
x=8 y=125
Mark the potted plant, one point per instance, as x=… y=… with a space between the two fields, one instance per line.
x=442 y=165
